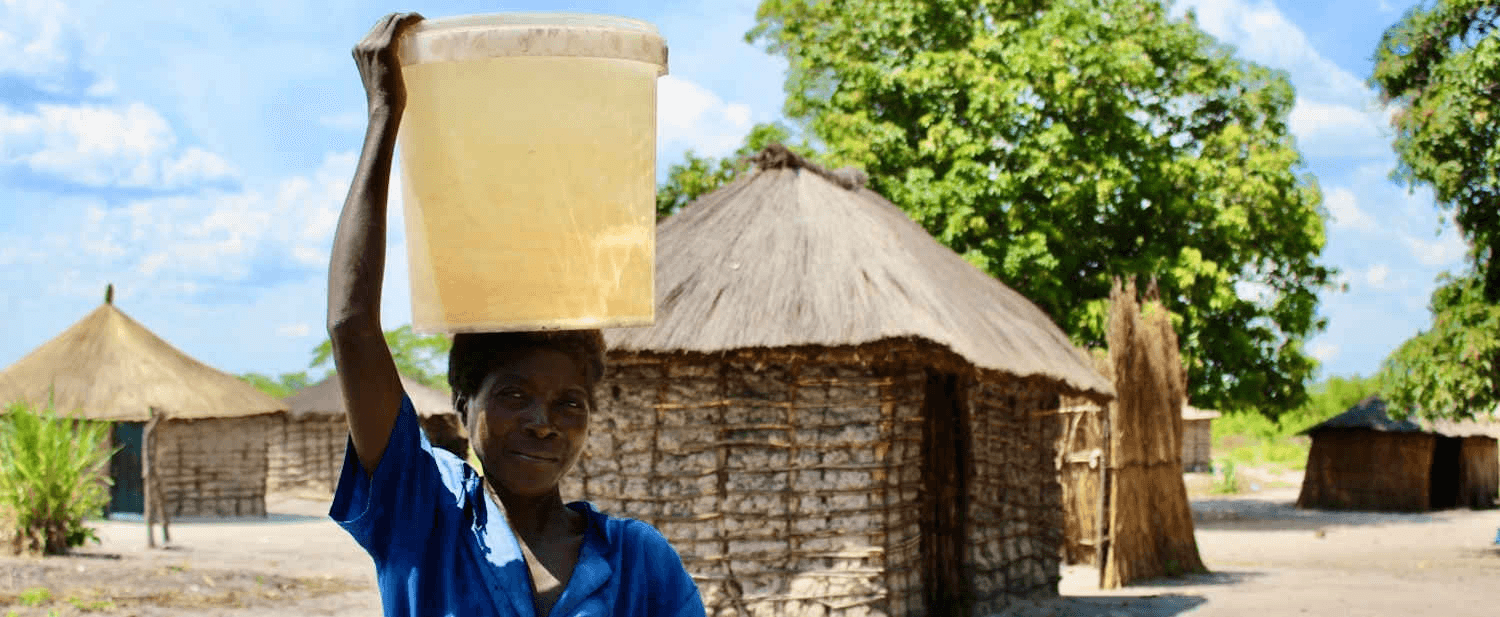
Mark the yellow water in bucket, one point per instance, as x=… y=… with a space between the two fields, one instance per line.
x=528 y=156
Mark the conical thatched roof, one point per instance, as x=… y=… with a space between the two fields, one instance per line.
x=1369 y=413
x=110 y=367
x=793 y=255
x=326 y=398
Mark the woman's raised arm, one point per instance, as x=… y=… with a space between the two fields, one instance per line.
x=367 y=374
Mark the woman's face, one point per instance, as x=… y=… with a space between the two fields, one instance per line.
x=529 y=420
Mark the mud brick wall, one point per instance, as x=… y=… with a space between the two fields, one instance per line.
x=306 y=453
x=215 y=467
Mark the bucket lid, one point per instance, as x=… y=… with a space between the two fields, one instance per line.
x=476 y=37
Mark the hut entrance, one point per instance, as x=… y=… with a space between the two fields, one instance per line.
x=945 y=464
x=1445 y=473
x=126 y=494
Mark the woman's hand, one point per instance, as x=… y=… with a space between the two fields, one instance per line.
x=378 y=66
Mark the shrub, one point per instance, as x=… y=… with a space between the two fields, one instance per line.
x=51 y=469
x=1225 y=482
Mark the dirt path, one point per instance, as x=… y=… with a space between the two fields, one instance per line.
x=295 y=562
x=1268 y=558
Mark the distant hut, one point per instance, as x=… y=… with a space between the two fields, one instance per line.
x=1364 y=460
x=308 y=448
x=1197 y=438
x=211 y=457
x=834 y=414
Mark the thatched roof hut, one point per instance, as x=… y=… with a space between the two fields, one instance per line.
x=309 y=451
x=1363 y=459
x=109 y=367
x=834 y=414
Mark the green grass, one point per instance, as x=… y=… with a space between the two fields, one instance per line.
x=36 y=596
x=1248 y=439
x=1225 y=481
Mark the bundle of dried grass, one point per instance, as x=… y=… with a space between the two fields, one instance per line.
x=1150 y=522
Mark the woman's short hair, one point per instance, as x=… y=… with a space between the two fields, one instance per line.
x=475 y=354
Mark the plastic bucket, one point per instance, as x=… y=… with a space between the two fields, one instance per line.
x=528 y=157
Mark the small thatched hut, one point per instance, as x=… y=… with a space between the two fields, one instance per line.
x=307 y=450
x=1364 y=460
x=834 y=414
x=211 y=456
x=1197 y=438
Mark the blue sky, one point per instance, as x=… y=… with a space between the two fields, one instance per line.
x=196 y=154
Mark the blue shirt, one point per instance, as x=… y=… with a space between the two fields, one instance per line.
x=442 y=547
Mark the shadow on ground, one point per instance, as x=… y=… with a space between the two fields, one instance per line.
x=1166 y=605
x=1265 y=515
x=271 y=518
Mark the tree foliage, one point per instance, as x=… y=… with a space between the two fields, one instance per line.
x=278 y=387
x=1060 y=144
x=696 y=176
x=1440 y=66
x=53 y=474
x=1451 y=370
x=423 y=358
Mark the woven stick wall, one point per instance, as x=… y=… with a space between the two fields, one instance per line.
x=788 y=488
x=1079 y=456
x=306 y=454
x=1362 y=469
x=215 y=467
x=1151 y=523
x=792 y=483
x=1015 y=526
x=1479 y=472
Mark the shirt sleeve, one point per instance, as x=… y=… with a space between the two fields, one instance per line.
x=674 y=592
x=388 y=510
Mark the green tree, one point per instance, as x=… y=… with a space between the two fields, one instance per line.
x=423 y=358
x=1452 y=369
x=696 y=175
x=1060 y=144
x=52 y=476
x=1440 y=66
x=278 y=387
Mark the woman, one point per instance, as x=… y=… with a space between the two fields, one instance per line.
x=445 y=540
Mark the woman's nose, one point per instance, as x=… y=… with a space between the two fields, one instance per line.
x=536 y=420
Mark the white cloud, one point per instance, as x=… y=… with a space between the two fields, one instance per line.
x=1344 y=208
x=689 y=116
x=35 y=38
x=1377 y=276
x=297 y=330
x=1338 y=130
x=1385 y=7
x=1324 y=351
x=1261 y=33
x=104 y=145
x=1445 y=250
x=220 y=235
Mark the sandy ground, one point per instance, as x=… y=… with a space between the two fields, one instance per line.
x=1267 y=559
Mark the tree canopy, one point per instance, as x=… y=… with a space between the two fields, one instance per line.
x=1059 y=144
x=423 y=358
x=1440 y=68
x=1452 y=369
x=697 y=175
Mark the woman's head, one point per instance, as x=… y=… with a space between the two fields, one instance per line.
x=526 y=398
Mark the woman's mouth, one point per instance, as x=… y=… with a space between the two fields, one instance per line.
x=535 y=458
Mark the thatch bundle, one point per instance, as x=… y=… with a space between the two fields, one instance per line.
x=833 y=414
x=1150 y=522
